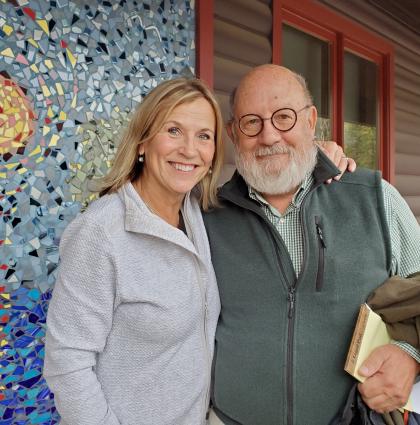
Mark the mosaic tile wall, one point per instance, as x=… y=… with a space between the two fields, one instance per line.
x=70 y=73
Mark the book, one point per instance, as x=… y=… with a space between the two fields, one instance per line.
x=369 y=333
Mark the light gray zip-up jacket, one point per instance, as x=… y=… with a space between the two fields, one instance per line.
x=132 y=319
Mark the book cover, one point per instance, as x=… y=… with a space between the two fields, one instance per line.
x=369 y=333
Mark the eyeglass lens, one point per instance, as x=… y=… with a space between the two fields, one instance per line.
x=283 y=119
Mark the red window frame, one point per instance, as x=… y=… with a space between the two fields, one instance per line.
x=204 y=40
x=343 y=34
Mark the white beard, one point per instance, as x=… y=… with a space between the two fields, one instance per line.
x=268 y=175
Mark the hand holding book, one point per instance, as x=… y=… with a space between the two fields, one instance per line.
x=389 y=375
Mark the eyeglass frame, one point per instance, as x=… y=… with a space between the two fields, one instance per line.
x=271 y=119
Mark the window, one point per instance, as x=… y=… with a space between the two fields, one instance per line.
x=349 y=73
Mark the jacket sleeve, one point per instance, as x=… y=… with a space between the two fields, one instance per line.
x=78 y=323
x=397 y=301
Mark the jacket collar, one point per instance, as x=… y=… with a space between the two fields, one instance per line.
x=139 y=219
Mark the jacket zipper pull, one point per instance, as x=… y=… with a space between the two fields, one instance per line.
x=321 y=235
x=291 y=299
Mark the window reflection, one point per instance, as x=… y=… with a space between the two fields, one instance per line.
x=309 y=56
x=361 y=110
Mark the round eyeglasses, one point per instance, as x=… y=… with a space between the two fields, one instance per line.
x=283 y=119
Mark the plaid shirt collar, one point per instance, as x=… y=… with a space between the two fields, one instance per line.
x=296 y=200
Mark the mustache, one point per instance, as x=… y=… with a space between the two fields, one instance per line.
x=273 y=150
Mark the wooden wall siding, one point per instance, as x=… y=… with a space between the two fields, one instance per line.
x=242 y=40
x=407 y=92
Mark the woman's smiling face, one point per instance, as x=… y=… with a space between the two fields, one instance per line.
x=181 y=153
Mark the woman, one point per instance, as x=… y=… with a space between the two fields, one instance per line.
x=132 y=320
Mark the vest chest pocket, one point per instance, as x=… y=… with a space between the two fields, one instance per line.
x=321 y=254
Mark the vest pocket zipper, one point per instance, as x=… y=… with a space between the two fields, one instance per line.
x=321 y=255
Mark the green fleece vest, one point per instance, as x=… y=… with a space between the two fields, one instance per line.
x=281 y=341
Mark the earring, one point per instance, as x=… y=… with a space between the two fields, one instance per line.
x=141 y=157
x=210 y=171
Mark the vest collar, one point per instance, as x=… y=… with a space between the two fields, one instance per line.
x=236 y=189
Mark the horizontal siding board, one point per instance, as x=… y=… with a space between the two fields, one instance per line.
x=223 y=99
x=405 y=97
x=236 y=44
x=408 y=60
x=404 y=74
x=407 y=164
x=227 y=73
x=404 y=116
x=408 y=85
x=408 y=122
x=414 y=204
x=403 y=105
x=408 y=143
x=251 y=14
x=408 y=185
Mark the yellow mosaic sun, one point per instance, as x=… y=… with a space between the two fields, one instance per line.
x=16 y=116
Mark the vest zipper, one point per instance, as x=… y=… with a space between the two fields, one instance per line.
x=291 y=302
x=291 y=297
x=290 y=343
x=321 y=255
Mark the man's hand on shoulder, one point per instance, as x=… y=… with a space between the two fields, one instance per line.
x=390 y=373
x=336 y=154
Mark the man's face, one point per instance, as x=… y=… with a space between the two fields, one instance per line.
x=274 y=161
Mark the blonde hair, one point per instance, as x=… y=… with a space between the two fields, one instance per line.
x=146 y=122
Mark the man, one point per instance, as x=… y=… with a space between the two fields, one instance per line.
x=294 y=259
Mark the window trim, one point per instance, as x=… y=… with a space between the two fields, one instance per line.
x=204 y=41
x=344 y=34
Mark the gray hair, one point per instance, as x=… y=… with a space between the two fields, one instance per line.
x=303 y=83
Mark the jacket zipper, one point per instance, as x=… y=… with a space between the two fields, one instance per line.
x=204 y=310
x=205 y=342
x=321 y=255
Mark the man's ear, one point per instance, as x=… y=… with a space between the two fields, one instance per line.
x=230 y=130
x=312 y=117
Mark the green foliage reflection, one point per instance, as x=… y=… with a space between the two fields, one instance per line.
x=360 y=143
